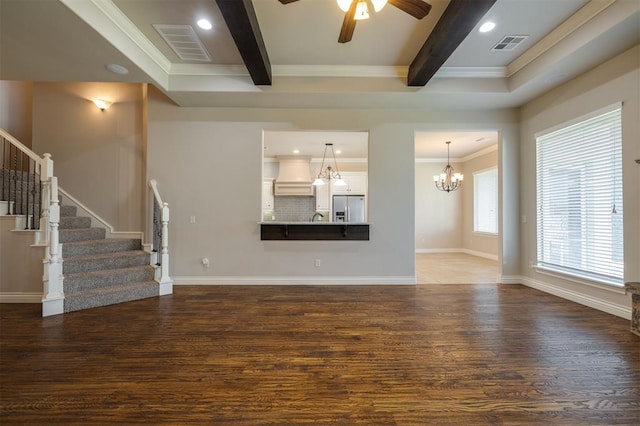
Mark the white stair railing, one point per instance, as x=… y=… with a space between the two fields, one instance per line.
x=160 y=240
x=41 y=215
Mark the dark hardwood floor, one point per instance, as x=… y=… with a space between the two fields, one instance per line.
x=379 y=355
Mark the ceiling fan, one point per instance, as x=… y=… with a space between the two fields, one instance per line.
x=356 y=10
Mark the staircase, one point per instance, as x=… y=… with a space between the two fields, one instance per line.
x=99 y=271
x=82 y=268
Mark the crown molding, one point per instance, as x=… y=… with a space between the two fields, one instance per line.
x=337 y=71
x=212 y=70
x=471 y=72
x=562 y=31
x=480 y=153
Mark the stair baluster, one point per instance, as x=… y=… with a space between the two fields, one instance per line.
x=4 y=171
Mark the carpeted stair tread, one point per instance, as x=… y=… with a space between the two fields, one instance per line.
x=66 y=211
x=86 y=248
x=105 y=261
x=81 y=234
x=110 y=296
x=84 y=281
x=74 y=222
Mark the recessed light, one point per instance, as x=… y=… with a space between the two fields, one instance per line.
x=296 y=151
x=204 y=24
x=486 y=27
x=338 y=151
x=117 y=69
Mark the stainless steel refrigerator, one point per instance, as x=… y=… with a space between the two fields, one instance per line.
x=348 y=208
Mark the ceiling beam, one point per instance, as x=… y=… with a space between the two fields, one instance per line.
x=243 y=24
x=458 y=20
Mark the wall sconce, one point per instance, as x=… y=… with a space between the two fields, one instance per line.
x=102 y=104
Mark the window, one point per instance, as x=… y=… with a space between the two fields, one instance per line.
x=485 y=201
x=579 y=197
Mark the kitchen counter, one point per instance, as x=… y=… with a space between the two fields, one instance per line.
x=276 y=230
x=285 y=222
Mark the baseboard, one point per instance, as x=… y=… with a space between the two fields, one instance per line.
x=400 y=280
x=592 y=302
x=17 y=297
x=459 y=250
x=510 y=279
x=440 y=250
x=480 y=254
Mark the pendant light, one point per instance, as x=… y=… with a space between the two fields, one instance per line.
x=448 y=180
x=329 y=173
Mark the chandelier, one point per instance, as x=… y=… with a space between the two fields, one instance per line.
x=329 y=173
x=362 y=10
x=448 y=180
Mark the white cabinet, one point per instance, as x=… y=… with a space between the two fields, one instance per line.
x=356 y=184
x=322 y=198
x=267 y=195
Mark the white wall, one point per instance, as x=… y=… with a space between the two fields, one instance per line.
x=208 y=163
x=98 y=155
x=614 y=81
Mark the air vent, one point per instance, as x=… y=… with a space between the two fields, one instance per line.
x=184 y=42
x=510 y=42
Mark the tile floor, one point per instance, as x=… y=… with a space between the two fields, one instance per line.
x=455 y=268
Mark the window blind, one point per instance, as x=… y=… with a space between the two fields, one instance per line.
x=485 y=201
x=579 y=197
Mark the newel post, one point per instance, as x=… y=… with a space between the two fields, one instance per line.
x=166 y=284
x=53 y=298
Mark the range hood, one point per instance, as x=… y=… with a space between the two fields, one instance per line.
x=294 y=176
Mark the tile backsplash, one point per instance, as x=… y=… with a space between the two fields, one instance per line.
x=294 y=208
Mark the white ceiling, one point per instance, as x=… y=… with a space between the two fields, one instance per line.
x=73 y=40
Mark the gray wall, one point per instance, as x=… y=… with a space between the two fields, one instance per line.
x=208 y=163
x=614 y=81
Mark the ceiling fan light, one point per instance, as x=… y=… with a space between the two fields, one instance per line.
x=344 y=4
x=378 y=4
x=362 y=11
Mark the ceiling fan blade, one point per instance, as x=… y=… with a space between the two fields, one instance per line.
x=349 y=24
x=287 y=1
x=416 y=8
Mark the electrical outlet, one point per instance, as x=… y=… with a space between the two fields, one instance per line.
x=192 y=219
x=205 y=262
x=316 y=263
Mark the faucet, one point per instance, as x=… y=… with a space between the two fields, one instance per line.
x=313 y=218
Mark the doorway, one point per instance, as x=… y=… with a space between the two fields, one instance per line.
x=450 y=245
